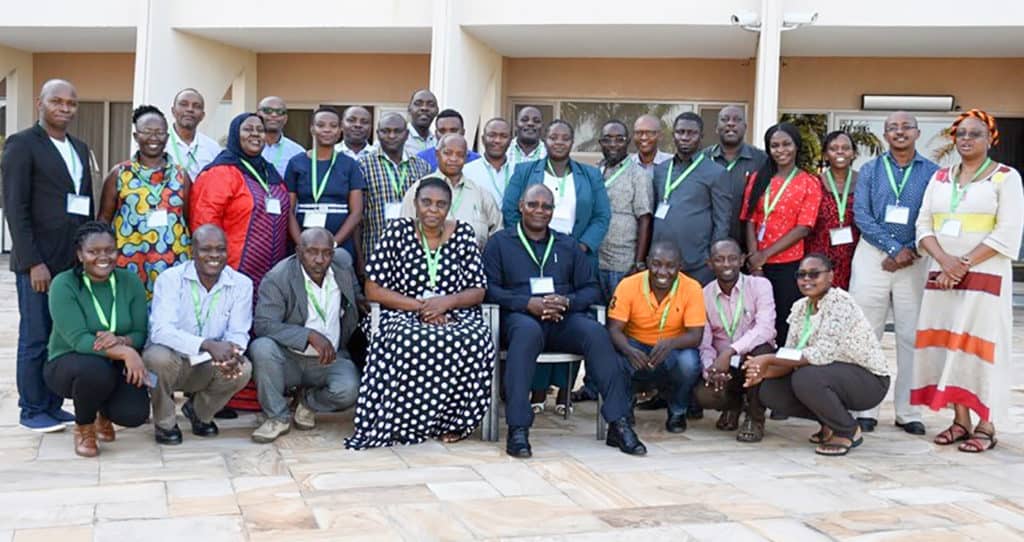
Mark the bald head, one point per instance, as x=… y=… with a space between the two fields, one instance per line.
x=453 y=141
x=274 y=113
x=209 y=252
x=56 y=86
x=538 y=190
x=732 y=126
x=901 y=132
x=727 y=245
x=57 y=105
x=665 y=249
x=208 y=232
x=647 y=122
x=316 y=237
x=451 y=155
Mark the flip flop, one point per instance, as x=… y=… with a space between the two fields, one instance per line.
x=836 y=449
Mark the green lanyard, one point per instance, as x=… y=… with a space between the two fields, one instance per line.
x=668 y=306
x=623 y=167
x=959 y=191
x=805 y=332
x=561 y=180
x=730 y=328
x=458 y=199
x=730 y=165
x=517 y=155
x=892 y=178
x=494 y=182
x=768 y=208
x=841 y=203
x=312 y=299
x=177 y=154
x=529 y=249
x=154 y=190
x=197 y=306
x=670 y=187
x=433 y=259
x=257 y=176
x=318 y=189
x=396 y=176
x=110 y=324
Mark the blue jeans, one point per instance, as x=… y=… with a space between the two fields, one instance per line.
x=609 y=280
x=34 y=397
x=677 y=375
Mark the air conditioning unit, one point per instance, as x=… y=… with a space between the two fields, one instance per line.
x=892 y=102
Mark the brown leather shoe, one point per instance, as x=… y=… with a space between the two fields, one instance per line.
x=85 y=440
x=104 y=429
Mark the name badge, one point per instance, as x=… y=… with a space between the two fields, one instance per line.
x=897 y=214
x=427 y=294
x=951 y=227
x=392 y=211
x=662 y=210
x=78 y=205
x=791 y=354
x=735 y=362
x=761 y=230
x=273 y=206
x=542 y=285
x=314 y=220
x=562 y=212
x=840 y=236
x=157 y=218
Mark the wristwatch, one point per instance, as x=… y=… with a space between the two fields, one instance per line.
x=640 y=265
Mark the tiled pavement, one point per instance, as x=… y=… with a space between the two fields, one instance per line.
x=702 y=485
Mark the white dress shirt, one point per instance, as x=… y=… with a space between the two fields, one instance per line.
x=329 y=298
x=494 y=181
x=564 y=216
x=193 y=157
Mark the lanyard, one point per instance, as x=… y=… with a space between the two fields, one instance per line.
x=561 y=180
x=730 y=165
x=517 y=155
x=768 y=194
x=959 y=191
x=490 y=171
x=732 y=324
x=892 y=178
x=154 y=189
x=668 y=306
x=433 y=259
x=670 y=187
x=841 y=203
x=316 y=303
x=805 y=332
x=401 y=172
x=529 y=249
x=458 y=199
x=622 y=167
x=318 y=189
x=257 y=176
x=177 y=154
x=197 y=306
x=110 y=324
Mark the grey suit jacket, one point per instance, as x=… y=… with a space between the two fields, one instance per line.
x=282 y=309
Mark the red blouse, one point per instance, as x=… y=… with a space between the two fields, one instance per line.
x=798 y=206
x=819 y=240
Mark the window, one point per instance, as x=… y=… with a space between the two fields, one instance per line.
x=299 y=119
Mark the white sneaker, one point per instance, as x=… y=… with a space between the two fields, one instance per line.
x=305 y=417
x=270 y=430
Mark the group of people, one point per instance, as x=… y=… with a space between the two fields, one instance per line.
x=733 y=279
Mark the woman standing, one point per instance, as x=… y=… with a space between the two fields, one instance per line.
x=780 y=207
x=835 y=234
x=428 y=373
x=327 y=192
x=970 y=224
x=146 y=200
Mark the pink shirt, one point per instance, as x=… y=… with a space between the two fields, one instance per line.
x=756 y=326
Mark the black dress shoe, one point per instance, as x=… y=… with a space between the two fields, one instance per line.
x=584 y=394
x=199 y=427
x=517 y=443
x=675 y=423
x=170 y=437
x=226 y=413
x=622 y=436
x=657 y=403
x=914 y=428
x=867 y=425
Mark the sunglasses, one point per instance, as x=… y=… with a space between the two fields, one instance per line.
x=274 y=110
x=812 y=275
x=534 y=205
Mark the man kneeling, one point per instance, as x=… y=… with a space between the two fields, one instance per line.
x=304 y=317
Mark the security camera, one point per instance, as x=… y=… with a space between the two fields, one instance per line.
x=745 y=18
x=799 y=18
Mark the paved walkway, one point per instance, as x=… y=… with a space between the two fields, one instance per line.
x=702 y=485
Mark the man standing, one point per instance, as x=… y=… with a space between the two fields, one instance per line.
x=494 y=171
x=47 y=196
x=422 y=110
x=544 y=284
x=355 y=133
x=738 y=158
x=647 y=137
x=448 y=121
x=469 y=202
x=198 y=330
x=692 y=199
x=188 y=147
x=526 y=145
x=304 y=317
x=279 y=149
x=886 y=270
x=631 y=194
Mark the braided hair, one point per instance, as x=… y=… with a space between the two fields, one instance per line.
x=764 y=175
x=90 y=228
x=988 y=120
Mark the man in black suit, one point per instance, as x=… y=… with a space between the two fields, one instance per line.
x=47 y=189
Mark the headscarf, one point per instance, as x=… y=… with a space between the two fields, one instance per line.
x=988 y=120
x=233 y=155
x=770 y=168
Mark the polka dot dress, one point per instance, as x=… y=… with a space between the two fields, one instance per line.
x=423 y=381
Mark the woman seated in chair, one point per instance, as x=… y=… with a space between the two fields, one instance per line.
x=428 y=372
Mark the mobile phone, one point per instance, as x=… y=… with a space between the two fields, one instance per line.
x=150 y=379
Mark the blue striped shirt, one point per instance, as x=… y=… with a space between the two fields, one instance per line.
x=873 y=193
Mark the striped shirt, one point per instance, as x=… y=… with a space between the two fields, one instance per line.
x=377 y=171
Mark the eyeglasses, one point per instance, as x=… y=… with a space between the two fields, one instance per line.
x=900 y=128
x=612 y=139
x=151 y=133
x=646 y=133
x=964 y=134
x=812 y=274
x=274 y=110
x=534 y=205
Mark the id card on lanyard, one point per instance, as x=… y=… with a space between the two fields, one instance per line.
x=671 y=185
x=843 y=235
x=539 y=285
x=273 y=205
x=897 y=214
x=770 y=204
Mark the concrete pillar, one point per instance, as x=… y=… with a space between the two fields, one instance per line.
x=766 y=82
x=16 y=69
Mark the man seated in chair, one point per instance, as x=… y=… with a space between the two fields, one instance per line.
x=304 y=317
x=656 y=319
x=544 y=285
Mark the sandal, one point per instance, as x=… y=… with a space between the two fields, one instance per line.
x=751 y=431
x=823 y=435
x=980 y=441
x=560 y=409
x=537 y=407
x=836 y=449
x=950 y=436
x=728 y=421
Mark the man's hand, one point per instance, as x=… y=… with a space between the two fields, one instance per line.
x=890 y=265
x=220 y=351
x=719 y=373
x=230 y=368
x=323 y=348
x=905 y=257
x=659 y=353
x=536 y=307
x=637 y=358
x=754 y=369
x=555 y=307
x=39 y=275
x=756 y=261
x=584 y=248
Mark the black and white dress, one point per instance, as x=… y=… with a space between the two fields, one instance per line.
x=423 y=381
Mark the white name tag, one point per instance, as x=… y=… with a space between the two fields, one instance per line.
x=542 y=285
x=662 y=210
x=314 y=220
x=761 y=231
x=273 y=206
x=735 y=362
x=840 y=236
x=199 y=358
x=951 y=227
x=897 y=214
x=392 y=211
x=157 y=218
x=791 y=354
x=78 y=205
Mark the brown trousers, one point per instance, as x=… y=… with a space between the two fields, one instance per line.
x=734 y=397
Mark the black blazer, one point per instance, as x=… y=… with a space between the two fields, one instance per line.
x=36 y=184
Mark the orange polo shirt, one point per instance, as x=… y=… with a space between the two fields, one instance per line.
x=642 y=317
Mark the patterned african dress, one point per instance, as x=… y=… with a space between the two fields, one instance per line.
x=421 y=380
x=965 y=334
x=152 y=234
x=819 y=240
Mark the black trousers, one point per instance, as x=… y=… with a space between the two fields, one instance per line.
x=826 y=394
x=786 y=292
x=734 y=396
x=97 y=384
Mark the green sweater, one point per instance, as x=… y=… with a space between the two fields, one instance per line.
x=75 y=322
